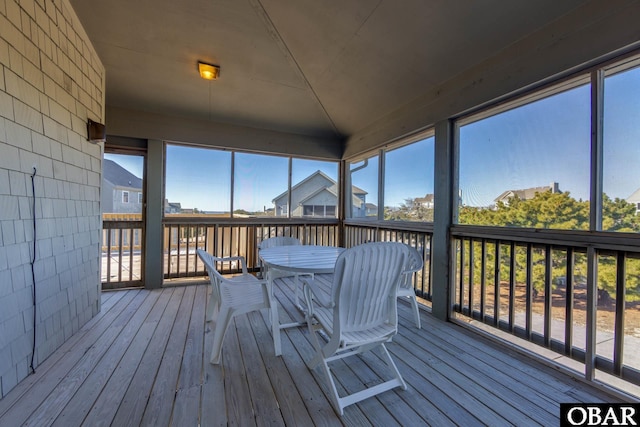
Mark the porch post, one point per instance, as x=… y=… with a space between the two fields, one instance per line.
x=155 y=207
x=445 y=198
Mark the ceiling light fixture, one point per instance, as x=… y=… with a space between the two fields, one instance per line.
x=208 y=71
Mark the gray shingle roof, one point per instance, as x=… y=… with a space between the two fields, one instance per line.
x=119 y=176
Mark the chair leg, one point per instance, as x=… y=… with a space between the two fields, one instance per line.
x=416 y=311
x=318 y=357
x=393 y=367
x=212 y=308
x=275 y=327
x=335 y=397
x=296 y=280
x=222 y=324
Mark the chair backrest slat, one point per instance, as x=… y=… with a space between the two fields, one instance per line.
x=279 y=241
x=365 y=284
x=414 y=263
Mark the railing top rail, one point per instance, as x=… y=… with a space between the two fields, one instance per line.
x=420 y=227
x=115 y=224
x=613 y=241
x=260 y=221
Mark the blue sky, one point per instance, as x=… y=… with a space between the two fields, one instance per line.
x=530 y=146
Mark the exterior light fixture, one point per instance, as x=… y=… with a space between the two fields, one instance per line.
x=208 y=71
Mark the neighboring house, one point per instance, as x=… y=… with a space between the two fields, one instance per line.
x=371 y=209
x=317 y=196
x=526 y=194
x=634 y=199
x=121 y=190
x=172 y=207
x=424 y=202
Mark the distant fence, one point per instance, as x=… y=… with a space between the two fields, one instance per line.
x=183 y=236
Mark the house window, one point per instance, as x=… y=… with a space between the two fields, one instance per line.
x=140 y=198
x=319 y=210
x=125 y=197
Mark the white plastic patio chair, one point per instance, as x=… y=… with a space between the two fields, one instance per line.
x=414 y=263
x=232 y=296
x=360 y=314
x=276 y=273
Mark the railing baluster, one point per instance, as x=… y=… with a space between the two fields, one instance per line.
x=512 y=287
x=569 y=289
x=471 y=276
x=130 y=255
x=109 y=254
x=461 y=275
x=496 y=289
x=120 y=255
x=483 y=278
x=529 y=291
x=618 y=348
x=547 y=295
x=528 y=255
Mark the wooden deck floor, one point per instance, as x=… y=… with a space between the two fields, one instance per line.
x=144 y=361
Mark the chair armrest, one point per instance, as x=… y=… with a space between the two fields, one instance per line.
x=243 y=261
x=236 y=289
x=311 y=294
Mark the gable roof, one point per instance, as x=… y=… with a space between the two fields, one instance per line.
x=354 y=189
x=634 y=197
x=331 y=190
x=527 y=193
x=119 y=176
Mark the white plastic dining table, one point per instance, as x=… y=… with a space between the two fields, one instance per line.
x=297 y=259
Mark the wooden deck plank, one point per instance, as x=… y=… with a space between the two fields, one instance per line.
x=236 y=384
x=96 y=324
x=511 y=386
x=485 y=376
x=145 y=360
x=263 y=398
x=103 y=412
x=212 y=401
x=64 y=391
x=134 y=401
x=166 y=377
x=186 y=408
x=553 y=385
x=82 y=401
x=295 y=389
x=104 y=409
x=58 y=382
x=300 y=341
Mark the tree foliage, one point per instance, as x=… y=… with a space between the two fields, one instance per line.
x=559 y=211
x=409 y=211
